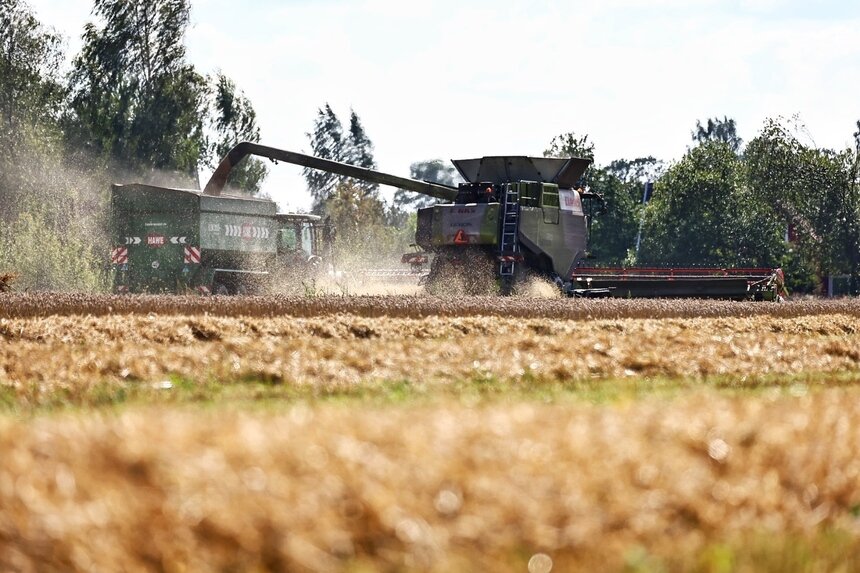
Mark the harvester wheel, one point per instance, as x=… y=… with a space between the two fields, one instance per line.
x=506 y=286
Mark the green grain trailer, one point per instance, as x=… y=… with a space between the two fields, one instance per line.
x=176 y=240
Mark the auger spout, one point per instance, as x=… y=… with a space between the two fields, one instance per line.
x=222 y=172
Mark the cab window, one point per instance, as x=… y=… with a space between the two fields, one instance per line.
x=307 y=239
x=549 y=197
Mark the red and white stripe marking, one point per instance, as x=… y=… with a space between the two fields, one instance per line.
x=119 y=256
x=246 y=231
x=192 y=255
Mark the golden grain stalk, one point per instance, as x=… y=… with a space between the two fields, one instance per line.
x=435 y=487
x=68 y=354
x=47 y=304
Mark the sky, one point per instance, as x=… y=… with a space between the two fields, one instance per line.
x=460 y=79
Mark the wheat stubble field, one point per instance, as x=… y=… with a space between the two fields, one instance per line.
x=421 y=434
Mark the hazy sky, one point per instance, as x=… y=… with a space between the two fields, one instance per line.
x=460 y=78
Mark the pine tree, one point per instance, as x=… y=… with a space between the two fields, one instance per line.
x=359 y=151
x=326 y=142
x=233 y=120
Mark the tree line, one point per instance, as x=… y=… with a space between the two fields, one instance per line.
x=132 y=102
x=775 y=202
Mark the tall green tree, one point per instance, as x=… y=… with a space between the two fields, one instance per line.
x=31 y=91
x=815 y=191
x=50 y=233
x=31 y=96
x=613 y=229
x=359 y=151
x=716 y=129
x=134 y=97
x=327 y=141
x=622 y=185
x=853 y=242
x=704 y=213
x=369 y=231
x=232 y=119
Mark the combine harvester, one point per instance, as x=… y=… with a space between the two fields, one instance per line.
x=519 y=216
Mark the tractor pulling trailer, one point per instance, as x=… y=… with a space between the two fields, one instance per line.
x=175 y=240
x=513 y=216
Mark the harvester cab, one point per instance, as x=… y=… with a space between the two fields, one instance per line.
x=304 y=240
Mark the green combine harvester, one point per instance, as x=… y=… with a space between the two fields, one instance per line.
x=512 y=218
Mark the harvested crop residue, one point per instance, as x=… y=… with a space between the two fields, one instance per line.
x=500 y=442
x=342 y=351
x=25 y=305
x=6 y=280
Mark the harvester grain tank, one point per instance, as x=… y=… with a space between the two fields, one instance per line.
x=515 y=216
x=177 y=240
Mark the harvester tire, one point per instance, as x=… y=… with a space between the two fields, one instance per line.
x=506 y=286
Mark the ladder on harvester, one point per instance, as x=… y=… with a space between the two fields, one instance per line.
x=509 y=247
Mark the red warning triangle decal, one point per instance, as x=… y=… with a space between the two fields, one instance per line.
x=460 y=238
